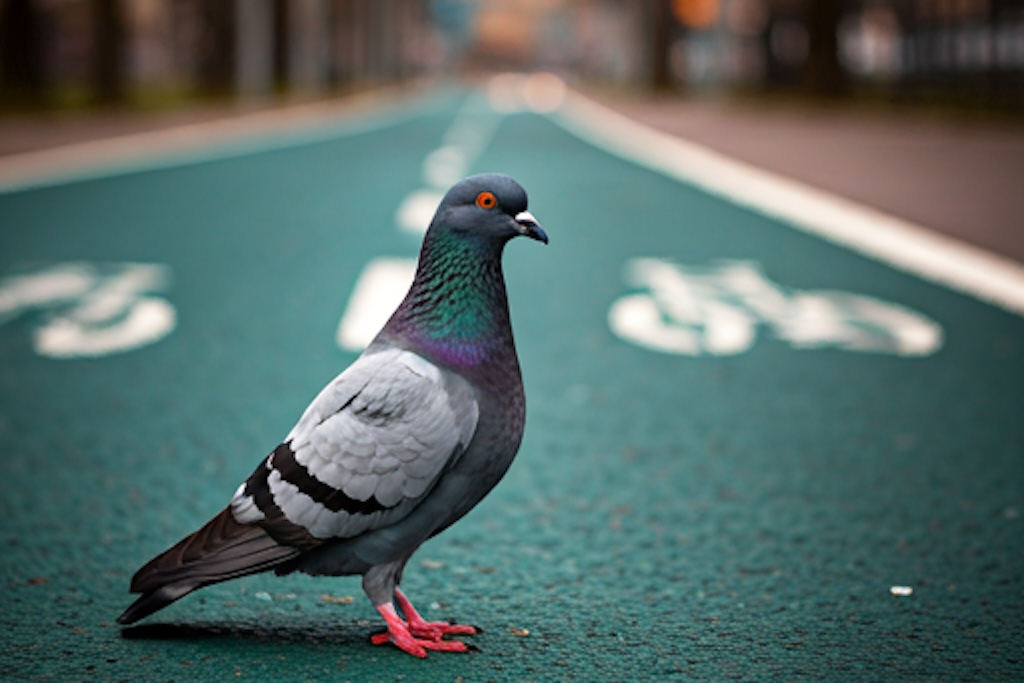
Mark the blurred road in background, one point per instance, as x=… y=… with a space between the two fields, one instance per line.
x=958 y=177
x=961 y=178
x=916 y=109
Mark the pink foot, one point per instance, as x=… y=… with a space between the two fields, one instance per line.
x=435 y=630
x=415 y=643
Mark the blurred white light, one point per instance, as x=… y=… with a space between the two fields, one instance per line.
x=543 y=92
x=540 y=92
x=505 y=93
x=444 y=166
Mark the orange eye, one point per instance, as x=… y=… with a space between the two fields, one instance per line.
x=486 y=200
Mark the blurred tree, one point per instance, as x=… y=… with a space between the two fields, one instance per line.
x=346 y=42
x=22 y=60
x=661 y=25
x=109 y=82
x=254 y=54
x=824 y=73
x=216 y=63
x=282 y=33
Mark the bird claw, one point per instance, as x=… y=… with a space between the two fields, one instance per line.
x=436 y=630
x=416 y=635
x=418 y=646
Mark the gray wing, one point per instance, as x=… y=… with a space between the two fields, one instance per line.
x=365 y=452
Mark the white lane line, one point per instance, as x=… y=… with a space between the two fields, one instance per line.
x=467 y=136
x=208 y=141
x=417 y=210
x=904 y=245
x=384 y=281
x=378 y=291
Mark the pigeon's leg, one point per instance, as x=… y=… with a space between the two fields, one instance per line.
x=419 y=626
x=399 y=634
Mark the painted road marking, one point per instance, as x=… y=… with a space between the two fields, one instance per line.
x=378 y=291
x=718 y=309
x=904 y=245
x=93 y=309
x=468 y=135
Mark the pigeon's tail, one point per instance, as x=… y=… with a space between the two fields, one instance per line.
x=223 y=549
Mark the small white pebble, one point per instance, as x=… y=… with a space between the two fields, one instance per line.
x=263 y=595
x=901 y=591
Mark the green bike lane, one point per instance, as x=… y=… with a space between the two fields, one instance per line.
x=754 y=506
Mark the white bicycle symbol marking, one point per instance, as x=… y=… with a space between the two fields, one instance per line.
x=92 y=310
x=717 y=310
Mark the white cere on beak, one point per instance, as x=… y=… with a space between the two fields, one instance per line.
x=526 y=218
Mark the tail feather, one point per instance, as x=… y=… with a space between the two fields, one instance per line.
x=223 y=549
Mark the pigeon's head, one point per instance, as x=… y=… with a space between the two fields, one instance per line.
x=490 y=207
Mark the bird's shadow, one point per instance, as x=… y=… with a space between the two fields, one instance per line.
x=266 y=632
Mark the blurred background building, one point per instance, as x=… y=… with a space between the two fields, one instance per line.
x=74 y=53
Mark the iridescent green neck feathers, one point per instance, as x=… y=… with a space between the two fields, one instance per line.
x=456 y=310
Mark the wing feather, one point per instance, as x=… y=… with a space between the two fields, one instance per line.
x=365 y=452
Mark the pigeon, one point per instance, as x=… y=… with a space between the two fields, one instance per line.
x=396 y=448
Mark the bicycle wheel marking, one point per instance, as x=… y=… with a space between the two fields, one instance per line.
x=719 y=309
x=91 y=309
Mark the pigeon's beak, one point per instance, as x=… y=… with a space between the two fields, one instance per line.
x=528 y=226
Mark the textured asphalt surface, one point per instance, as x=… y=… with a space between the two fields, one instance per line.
x=741 y=517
